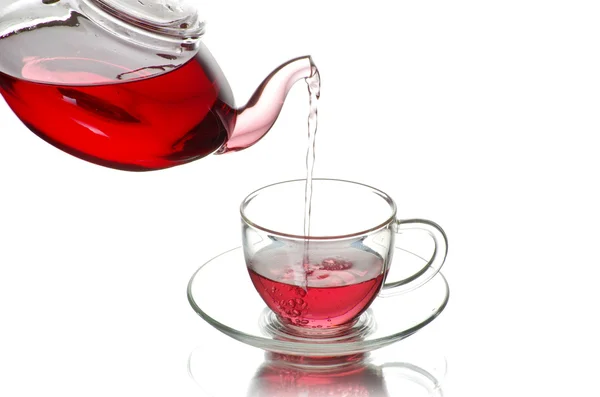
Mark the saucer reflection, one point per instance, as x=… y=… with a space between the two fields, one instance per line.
x=364 y=375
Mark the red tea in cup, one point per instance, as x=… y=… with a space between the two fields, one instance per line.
x=337 y=289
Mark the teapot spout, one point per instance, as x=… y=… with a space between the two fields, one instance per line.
x=257 y=117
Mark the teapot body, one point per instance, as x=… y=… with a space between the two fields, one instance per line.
x=111 y=101
x=128 y=84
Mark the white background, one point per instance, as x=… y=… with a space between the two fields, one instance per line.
x=481 y=116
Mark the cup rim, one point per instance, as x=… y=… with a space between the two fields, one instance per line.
x=379 y=192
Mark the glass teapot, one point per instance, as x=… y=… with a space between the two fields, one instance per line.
x=128 y=84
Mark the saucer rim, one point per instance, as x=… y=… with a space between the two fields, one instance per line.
x=313 y=349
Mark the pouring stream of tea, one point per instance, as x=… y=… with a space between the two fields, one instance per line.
x=314 y=90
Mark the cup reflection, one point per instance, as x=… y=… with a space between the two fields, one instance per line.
x=351 y=376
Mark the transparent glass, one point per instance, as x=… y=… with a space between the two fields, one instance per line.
x=174 y=17
x=327 y=294
x=328 y=279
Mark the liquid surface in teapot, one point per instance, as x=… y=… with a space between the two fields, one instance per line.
x=138 y=92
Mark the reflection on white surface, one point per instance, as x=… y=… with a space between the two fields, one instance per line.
x=362 y=379
x=404 y=369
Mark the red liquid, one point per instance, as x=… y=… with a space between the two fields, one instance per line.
x=336 y=294
x=282 y=381
x=145 y=124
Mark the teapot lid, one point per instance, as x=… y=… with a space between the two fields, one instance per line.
x=51 y=41
x=176 y=18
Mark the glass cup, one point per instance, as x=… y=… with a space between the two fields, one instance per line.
x=328 y=278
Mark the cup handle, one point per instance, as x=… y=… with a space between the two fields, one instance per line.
x=432 y=267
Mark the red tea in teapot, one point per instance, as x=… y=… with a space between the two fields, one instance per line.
x=146 y=123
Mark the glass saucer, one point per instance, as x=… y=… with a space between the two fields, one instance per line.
x=221 y=292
